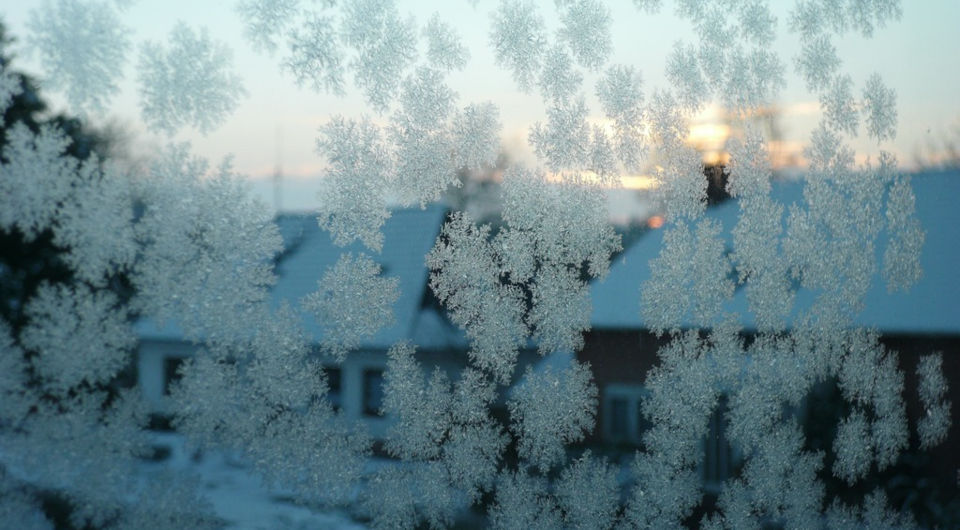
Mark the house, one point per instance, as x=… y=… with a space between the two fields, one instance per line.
x=621 y=349
x=356 y=384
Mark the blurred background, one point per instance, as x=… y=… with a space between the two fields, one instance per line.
x=272 y=135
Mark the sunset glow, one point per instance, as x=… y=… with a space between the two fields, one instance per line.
x=639 y=182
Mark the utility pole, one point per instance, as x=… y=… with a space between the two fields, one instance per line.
x=277 y=170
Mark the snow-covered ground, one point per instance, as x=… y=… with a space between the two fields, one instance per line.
x=238 y=496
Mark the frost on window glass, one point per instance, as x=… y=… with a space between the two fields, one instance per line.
x=619 y=91
x=419 y=130
x=445 y=49
x=751 y=305
x=265 y=19
x=84 y=45
x=353 y=205
x=586 y=30
x=82 y=338
x=315 y=57
x=518 y=39
x=351 y=303
x=385 y=44
x=467 y=282
x=188 y=82
x=550 y=410
x=476 y=136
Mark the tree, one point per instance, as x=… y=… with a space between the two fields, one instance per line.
x=197 y=251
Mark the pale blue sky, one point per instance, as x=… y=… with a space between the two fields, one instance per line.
x=918 y=57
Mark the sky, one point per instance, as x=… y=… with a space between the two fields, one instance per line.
x=276 y=123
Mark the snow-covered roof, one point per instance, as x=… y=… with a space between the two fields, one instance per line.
x=309 y=251
x=433 y=331
x=407 y=237
x=931 y=306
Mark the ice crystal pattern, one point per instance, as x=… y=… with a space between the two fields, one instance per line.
x=84 y=45
x=187 y=82
x=352 y=302
x=198 y=254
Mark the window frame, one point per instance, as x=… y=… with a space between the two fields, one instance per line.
x=631 y=394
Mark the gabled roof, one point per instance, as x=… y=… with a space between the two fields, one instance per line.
x=931 y=306
x=407 y=237
x=309 y=251
x=433 y=331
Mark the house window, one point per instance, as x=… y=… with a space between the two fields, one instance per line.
x=372 y=392
x=642 y=424
x=171 y=372
x=718 y=456
x=619 y=418
x=623 y=421
x=334 y=386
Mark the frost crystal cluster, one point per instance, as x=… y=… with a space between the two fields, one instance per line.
x=182 y=244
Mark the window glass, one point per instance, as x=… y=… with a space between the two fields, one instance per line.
x=618 y=418
x=171 y=372
x=642 y=423
x=372 y=392
x=716 y=462
x=334 y=392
